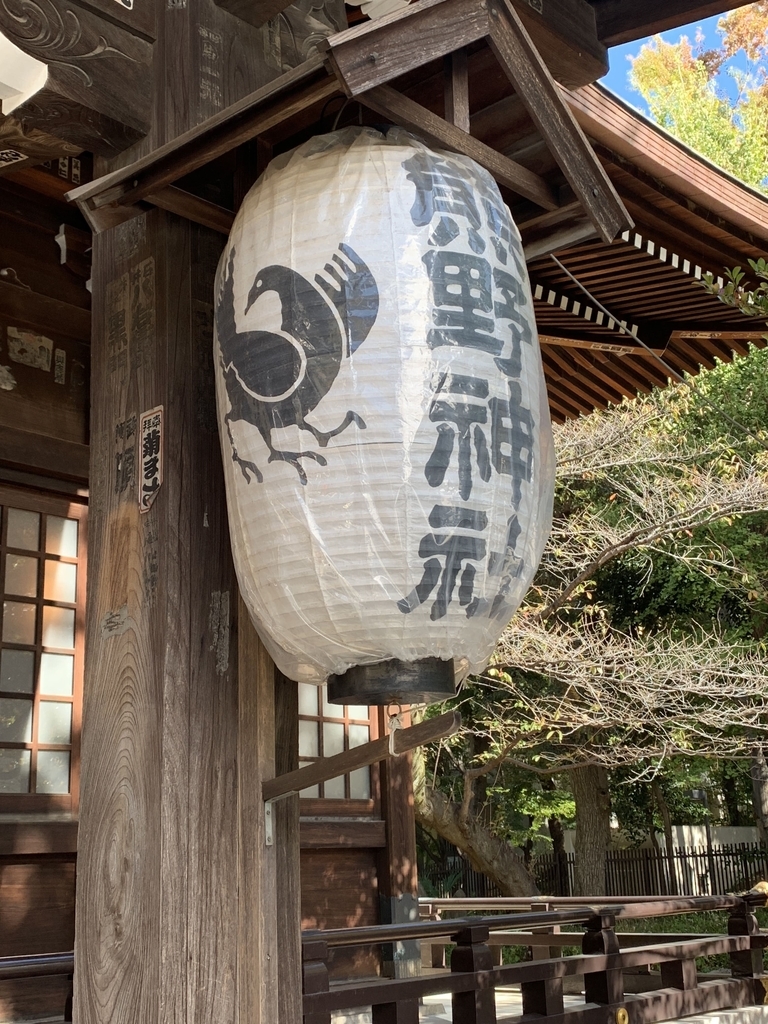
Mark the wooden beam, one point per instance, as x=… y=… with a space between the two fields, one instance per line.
x=457 y=90
x=65 y=459
x=725 y=335
x=375 y=52
x=336 y=833
x=362 y=756
x=31 y=309
x=563 y=30
x=392 y=104
x=199 y=211
x=600 y=346
x=565 y=34
x=527 y=72
x=256 y=113
x=621 y=22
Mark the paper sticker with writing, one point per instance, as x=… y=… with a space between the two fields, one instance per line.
x=30 y=349
x=151 y=460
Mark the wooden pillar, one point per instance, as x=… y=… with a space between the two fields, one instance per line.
x=177 y=915
x=397 y=871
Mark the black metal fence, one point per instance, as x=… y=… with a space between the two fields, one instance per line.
x=687 y=871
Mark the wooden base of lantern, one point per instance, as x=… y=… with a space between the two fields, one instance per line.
x=394 y=682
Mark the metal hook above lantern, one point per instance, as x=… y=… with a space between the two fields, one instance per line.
x=383 y=415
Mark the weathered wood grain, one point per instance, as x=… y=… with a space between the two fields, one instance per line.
x=375 y=52
x=19 y=838
x=288 y=874
x=41 y=452
x=338 y=833
x=258 y=962
x=43 y=313
x=565 y=34
x=620 y=22
x=457 y=90
x=535 y=86
x=199 y=211
x=404 y=111
x=243 y=120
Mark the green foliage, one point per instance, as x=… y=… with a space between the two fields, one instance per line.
x=679 y=84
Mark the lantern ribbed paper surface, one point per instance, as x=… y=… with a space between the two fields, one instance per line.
x=384 y=422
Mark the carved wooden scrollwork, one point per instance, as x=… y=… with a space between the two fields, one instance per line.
x=97 y=95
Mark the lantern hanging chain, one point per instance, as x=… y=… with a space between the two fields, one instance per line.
x=395 y=723
x=689 y=382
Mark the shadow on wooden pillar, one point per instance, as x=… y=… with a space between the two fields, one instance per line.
x=177 y=893
x=269 y=955
x=397 y=874
x=286 y=812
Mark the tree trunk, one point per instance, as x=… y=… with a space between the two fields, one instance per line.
x=557 y=835
x=593 y=828
x=487 y=853
x=759 y=774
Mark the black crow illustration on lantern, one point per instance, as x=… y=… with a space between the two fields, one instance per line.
x=384 y=422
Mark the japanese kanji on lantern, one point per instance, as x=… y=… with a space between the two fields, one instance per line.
x=384 y=422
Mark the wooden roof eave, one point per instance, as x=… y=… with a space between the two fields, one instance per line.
x=398 y=48
x=610 y=121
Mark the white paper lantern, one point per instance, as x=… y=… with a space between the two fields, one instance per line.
x=384 y=421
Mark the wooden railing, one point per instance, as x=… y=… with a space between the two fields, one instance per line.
x=42 y=965
x=473 y=978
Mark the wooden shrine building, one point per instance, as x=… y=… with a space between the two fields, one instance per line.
x=137 y=730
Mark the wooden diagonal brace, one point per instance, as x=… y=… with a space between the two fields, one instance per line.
x=404 y=111
x=523 y=65
x=362 y=756
x=365 y=59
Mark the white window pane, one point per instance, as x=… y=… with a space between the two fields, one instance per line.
x=358 y=734
x=334 y=789
x=60 y=582
x=21 y=575
x=52 y=771
x=360 y=784
x=308 y=699
x=19 y=622
x=55 y=725
x=360 y=711
x=308 y=739
x=333 y=738
x=15 y=720
x=311 y=791
x=331 y=710
x=14 y=771
x=23 y=529
x=17 y=671
x=57 y=674
x=58 y=627
x=61 y=537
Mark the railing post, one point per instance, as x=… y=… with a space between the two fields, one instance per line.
x=472 y=953
x=314 y=959
x=679 y=974
x=606 y=987
x=404 y=1012
x=747 y=963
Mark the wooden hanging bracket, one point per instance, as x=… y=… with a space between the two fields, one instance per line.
x=360 y=757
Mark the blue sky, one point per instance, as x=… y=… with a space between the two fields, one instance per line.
x=617 y=79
